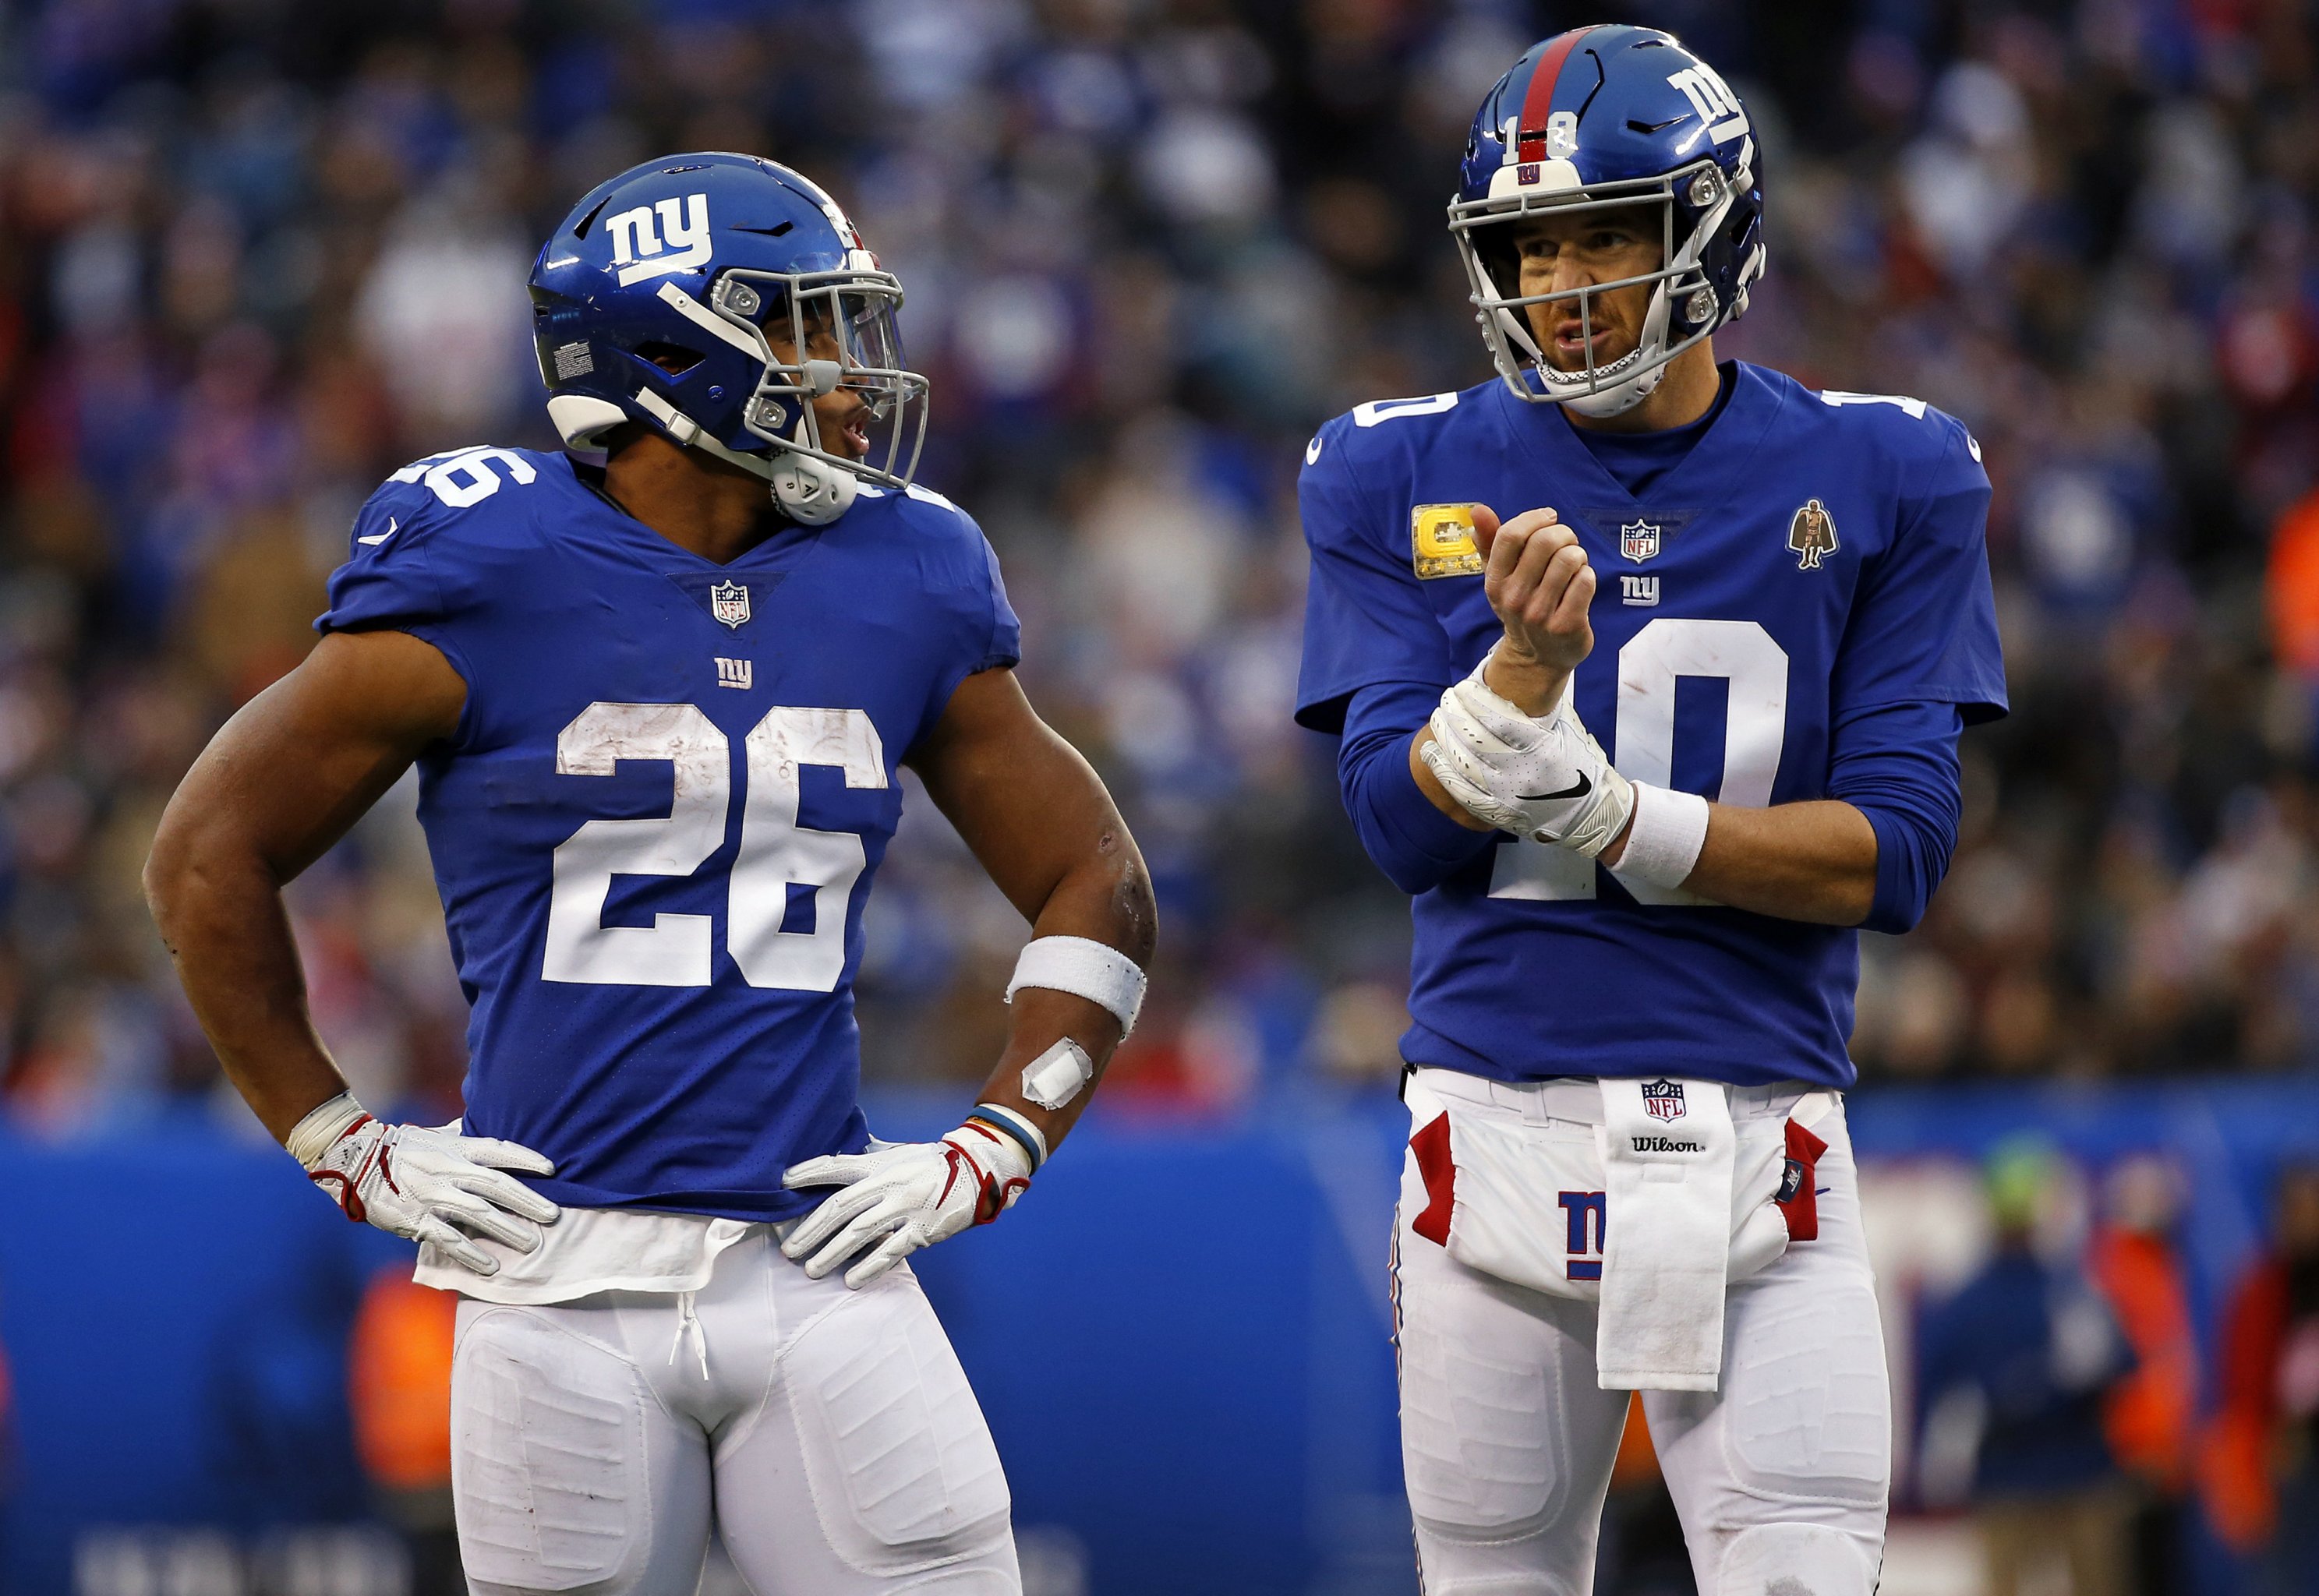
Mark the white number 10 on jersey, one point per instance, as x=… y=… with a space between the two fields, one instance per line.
x=1755 y=725
x=775 y=853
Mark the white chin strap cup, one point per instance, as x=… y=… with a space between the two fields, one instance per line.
x=812 y=492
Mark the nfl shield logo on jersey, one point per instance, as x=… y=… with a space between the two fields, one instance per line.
x=728 y=601
x=1663 y=1099
x=1638 y=540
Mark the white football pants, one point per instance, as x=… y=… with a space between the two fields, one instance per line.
x=830 y=1434
x=1781 y=1476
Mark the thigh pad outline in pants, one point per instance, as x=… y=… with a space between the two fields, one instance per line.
x=1505 y=1437
x=552 y=1477
x=1799 y=1439
x=904 y=1475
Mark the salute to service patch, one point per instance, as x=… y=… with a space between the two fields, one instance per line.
x=1441 y=540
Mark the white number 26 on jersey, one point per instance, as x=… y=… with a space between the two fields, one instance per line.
x=1654 y=659
x=775 y=853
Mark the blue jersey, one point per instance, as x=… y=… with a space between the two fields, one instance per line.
x=1814 y=556
x=656 y=825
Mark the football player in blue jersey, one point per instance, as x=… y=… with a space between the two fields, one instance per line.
x=1641 y=822
x=657 y=690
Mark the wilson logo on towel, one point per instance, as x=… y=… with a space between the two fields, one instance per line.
x=1651 y=1144
x=1663 y=1099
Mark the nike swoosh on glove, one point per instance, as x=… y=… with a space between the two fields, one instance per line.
x=903 y=1196
x=430 y=1185
x=1543 y=776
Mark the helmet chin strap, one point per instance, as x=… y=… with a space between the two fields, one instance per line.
x=809 y=492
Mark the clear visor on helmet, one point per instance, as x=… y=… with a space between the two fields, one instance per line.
x=1485 y=231
x=835 y=386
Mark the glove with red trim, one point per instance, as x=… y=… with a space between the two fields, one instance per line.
x=427 y=1186
x=903 y=1196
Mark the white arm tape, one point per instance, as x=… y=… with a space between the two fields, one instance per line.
x=1056 y=1076
x=313 y=1136
x=1663 y=844
x=1085 y=969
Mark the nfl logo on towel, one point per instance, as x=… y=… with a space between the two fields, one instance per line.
x=728 y=601
x=1663 y=1099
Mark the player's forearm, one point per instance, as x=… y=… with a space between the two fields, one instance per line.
x=1812 y=862
x=1435 y=793
x=1108 y=899
x=223 y=919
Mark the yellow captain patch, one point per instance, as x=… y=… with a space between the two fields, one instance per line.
x=1442 y=539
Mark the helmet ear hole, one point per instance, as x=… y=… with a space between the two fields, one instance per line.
x=674 y=359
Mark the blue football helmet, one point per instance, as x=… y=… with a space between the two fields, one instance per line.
x=713 y=298
x=1595 y=118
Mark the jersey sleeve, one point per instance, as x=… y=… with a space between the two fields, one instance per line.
x=392 y=581
x=1924 y=621
x=1366 y=620
x=1001 y=641
x=972 y=595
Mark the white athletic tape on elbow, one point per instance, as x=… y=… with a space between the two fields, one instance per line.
x=1084 y=968
x=1664 y=841
x=1057 y=1075
x=314 y=1135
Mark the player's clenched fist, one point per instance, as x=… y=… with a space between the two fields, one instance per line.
x=1541 y=586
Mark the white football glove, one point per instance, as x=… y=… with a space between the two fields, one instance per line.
x=426 y=1185
x=1543 y=776
x=904 y=1195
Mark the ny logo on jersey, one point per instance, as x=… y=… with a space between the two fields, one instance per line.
x=1663 y=1099
x=638 y=247
x=1642 y=592
x=1638 y=540
x=740 y=673
x=728 y=601
x=1811 y=534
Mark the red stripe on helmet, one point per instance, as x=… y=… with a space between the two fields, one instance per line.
x=1540 y=98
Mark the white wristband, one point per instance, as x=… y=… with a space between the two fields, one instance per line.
x=314 y=1135
x=1085 y=969
x=1664 y=841
x=1033 y=1140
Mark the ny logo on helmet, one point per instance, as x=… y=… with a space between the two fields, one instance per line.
x=1712 y=98
x=637 y=246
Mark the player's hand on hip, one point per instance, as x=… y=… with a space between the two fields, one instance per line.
x=1542 y=776
x=435 y=1187
x=901 y=1196
x=1541 y=586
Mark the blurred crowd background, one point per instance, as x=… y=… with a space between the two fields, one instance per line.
x=253 y=256
x=255 y=253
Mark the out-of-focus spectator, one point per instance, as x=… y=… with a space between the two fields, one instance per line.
x=2150 y=1414
x=399 y=1389
x=2260 y=1458
x=2026 y=1354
